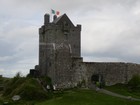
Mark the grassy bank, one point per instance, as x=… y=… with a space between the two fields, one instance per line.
x=86 y=97
x=32 y=93
x=123 y=90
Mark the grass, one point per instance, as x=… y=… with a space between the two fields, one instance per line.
x=28 y=89
x=31 y=92
x=86 y=97
x=123 y=90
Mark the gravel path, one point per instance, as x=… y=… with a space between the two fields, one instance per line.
x=118 y=95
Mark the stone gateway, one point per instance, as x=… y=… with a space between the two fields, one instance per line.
x=60 y=58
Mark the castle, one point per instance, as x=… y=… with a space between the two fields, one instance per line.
x=60 y=58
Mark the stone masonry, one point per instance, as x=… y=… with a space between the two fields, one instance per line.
x=60 y=58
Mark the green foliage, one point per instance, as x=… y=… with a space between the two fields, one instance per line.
x=81 y=84
x=29 y=76
x=46 y=80
x=3 y=81
x=12 y=85
x=134 y=83
x=27 y=88
x=31 y=92
x=18 y=75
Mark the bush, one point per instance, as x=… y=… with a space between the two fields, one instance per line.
x=46 y=80
x=134 y=83
x=30 y=92
x=27 y=88
x=12 y=85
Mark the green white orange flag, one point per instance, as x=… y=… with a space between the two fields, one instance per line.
x=55 y=12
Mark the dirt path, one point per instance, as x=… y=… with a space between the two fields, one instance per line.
x=118 y=95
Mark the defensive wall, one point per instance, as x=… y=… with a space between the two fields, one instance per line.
x=108 y=72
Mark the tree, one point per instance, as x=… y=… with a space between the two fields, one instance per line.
x=18 y=75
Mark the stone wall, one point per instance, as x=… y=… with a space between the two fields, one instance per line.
x=63 y=69
x=112 y=73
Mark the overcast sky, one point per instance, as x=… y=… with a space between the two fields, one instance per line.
x=110 y=30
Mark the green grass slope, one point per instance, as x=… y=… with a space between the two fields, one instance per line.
x=32 y=93
x=123 y=90
x=27 y=88
x=87 y=97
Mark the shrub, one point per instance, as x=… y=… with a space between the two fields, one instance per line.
x=18 y=75
x=12 y=85
x=134 y=83
x=31 y=92
x=27 y=88
x=46 y=80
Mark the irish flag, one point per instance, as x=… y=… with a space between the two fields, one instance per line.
x=55 y=12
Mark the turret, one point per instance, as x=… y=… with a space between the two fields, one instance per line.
x=46 y=19
x=54 y=17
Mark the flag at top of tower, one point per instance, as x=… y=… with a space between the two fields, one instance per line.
x=55 y=12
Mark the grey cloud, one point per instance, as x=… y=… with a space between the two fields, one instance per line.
x=110 y=30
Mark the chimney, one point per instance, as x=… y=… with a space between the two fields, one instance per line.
x=54 y=17
x=46 y=19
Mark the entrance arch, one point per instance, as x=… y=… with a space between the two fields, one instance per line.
x=97 y=78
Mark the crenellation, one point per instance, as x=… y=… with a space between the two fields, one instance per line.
x=79 y=27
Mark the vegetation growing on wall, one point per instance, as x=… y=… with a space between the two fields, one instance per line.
x=134 y=83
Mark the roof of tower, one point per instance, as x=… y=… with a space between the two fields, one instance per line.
x=62 y=18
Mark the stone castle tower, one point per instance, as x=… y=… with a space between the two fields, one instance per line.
x=60 y=58
x=59 y=41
